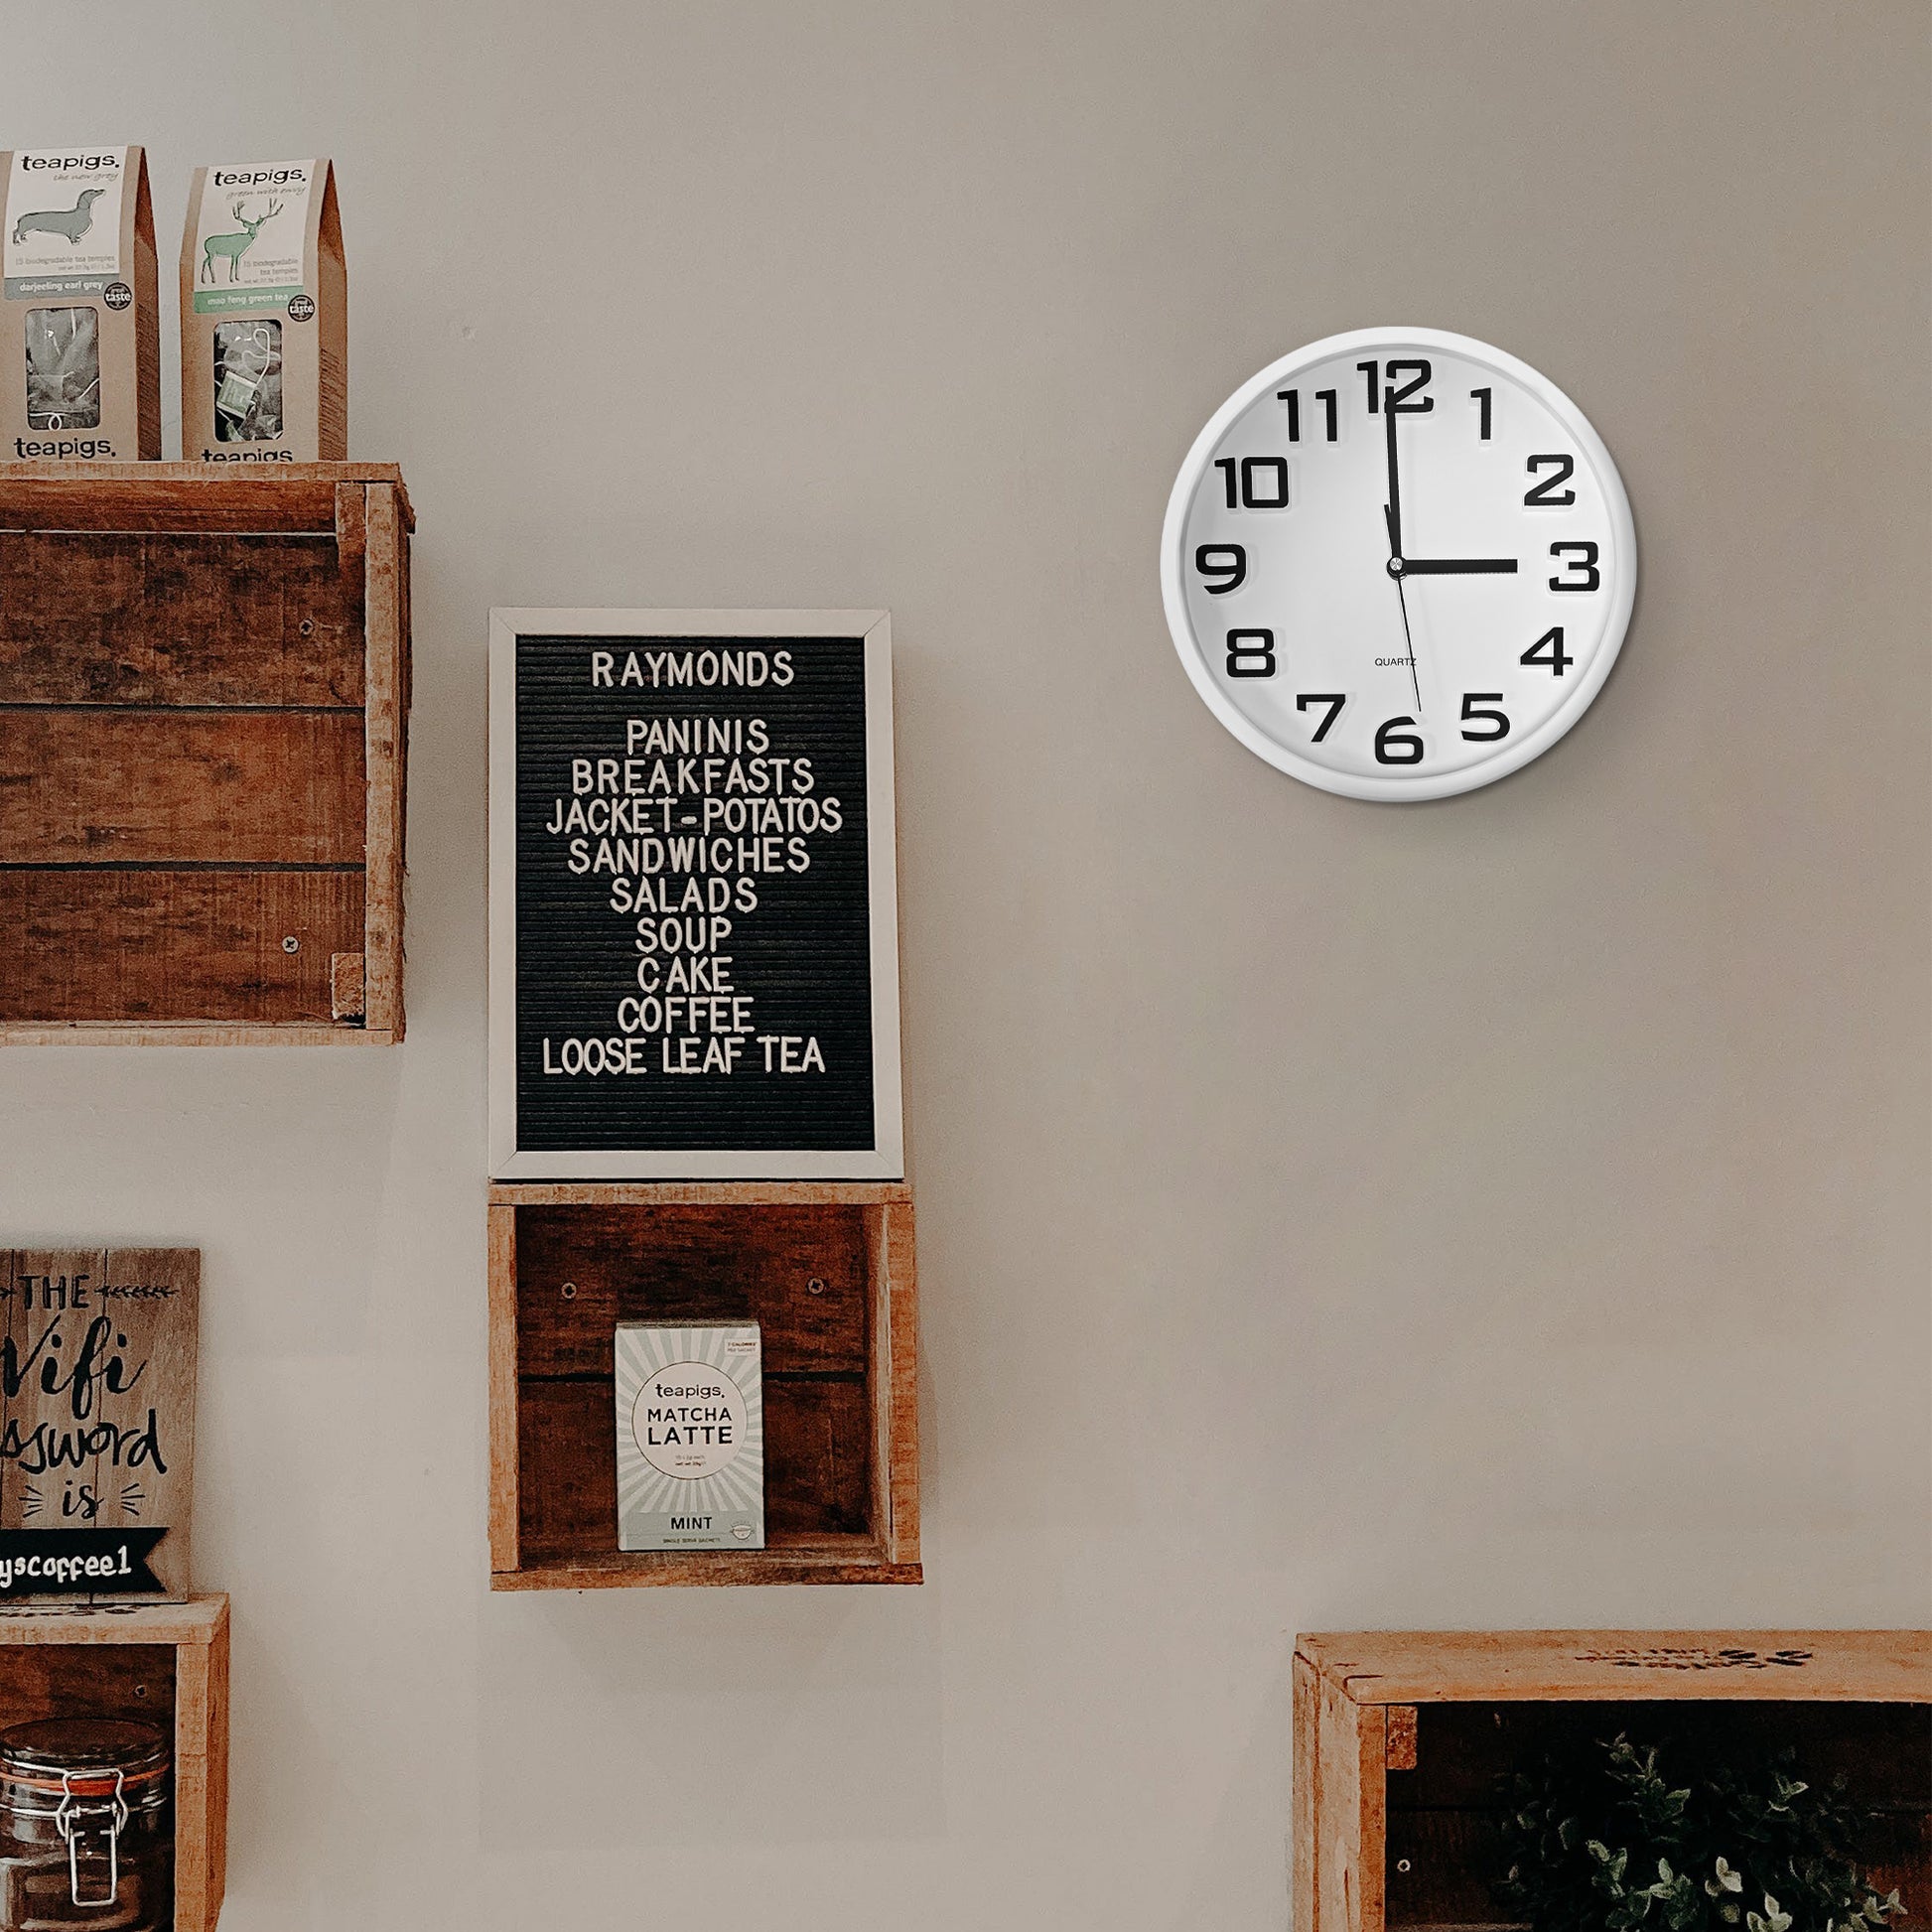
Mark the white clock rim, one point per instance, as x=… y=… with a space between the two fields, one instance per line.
x=1467 y=778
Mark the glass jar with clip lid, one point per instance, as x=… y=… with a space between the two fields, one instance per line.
x=85 y=1837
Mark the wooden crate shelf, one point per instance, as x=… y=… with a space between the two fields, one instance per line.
x=827 y=1270
x=1399 y=1737
x=165 y=1664
x=203 y=712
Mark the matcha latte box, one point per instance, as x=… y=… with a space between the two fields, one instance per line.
x=690 y=1436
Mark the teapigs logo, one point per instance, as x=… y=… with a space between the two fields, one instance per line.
x=290 y=177
x=689 y=1420
x=65 y=449
x=66 y=164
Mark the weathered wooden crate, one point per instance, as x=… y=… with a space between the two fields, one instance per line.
x=1400 y=1737
x=203 y=705
x=166 y=1665
x=826 y=1269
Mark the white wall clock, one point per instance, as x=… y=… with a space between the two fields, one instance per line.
x=1398 y=564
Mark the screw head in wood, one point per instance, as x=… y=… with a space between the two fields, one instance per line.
x=290 y=944
x=569 y=1290
x=814 y=1286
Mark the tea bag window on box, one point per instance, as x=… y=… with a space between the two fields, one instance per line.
x=62 y=369
x=247 y=381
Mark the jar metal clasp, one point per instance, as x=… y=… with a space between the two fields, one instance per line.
x=66 y=1821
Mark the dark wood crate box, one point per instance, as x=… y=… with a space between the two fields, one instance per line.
x=163 y=1664
x=203 y=705
x=1399 y=1738
x=826 y=1269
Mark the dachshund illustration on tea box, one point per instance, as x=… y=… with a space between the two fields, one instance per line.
x=73 y=221
x=236 y=245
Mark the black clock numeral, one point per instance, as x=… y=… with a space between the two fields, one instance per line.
x=1585 y=566
x=1393 y=746
x=1224 y=560
x=1263 y=481
x=1483 y=398
x=1558 y=661
x=1400 y=391
x=1293 y=397
x=1475 y=710
x=1545 y=492
x=1251 y=653
x=1418 y=373
x=1334 y=700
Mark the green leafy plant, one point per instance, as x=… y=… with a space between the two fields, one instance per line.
x=1603 y=1841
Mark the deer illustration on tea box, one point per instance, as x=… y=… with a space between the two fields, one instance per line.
x=236 y=245
x=73 y=221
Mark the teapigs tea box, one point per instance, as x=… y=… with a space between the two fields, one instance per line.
x=80 y=344
x=690 y=1437
x=264 y=316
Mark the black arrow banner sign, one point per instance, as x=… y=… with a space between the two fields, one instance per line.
x=66 y=1562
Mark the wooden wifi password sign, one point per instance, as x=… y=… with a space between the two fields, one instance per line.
x=97 y=1364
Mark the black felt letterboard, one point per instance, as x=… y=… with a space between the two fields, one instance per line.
x=691 y=826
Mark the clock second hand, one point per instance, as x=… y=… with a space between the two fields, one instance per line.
x=1402 y=598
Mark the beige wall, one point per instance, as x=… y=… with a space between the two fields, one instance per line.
x=1508 y=1210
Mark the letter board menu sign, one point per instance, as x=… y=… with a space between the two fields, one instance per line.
x=694 y=932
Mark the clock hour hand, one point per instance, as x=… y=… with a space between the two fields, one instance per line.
x=1456 y=565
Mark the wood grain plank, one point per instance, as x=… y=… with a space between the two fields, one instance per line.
x=817 y=1462
x=1352 y=1852
x=387 y=726
x=153 y=1295
x=1882 y=1750
x=188 y=1033
x=195 y=1621
x=194 y=1710
x=697 y=1264
x=789 y=1559
x=182 y=495
x=167 y=945
x=345 y=986
x=50 y=1680
x=160 y=787
x=503 y=1415
x=201 y=1780
x=352 y=557
x=1305 y=1796
x=216 y=1861
x=157 y=618
x=1424 y=1667
x=895 y=1378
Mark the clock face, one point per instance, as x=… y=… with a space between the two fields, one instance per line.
x=1398 y=564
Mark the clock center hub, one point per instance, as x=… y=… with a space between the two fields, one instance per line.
x=1395 y=566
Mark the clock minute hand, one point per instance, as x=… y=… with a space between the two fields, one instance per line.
x=1392 y=509
x=1459 y=566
